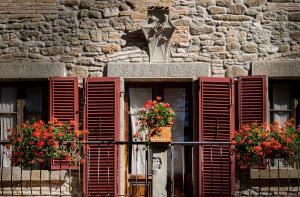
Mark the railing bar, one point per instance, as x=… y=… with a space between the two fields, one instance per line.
x=221 y=152
x=259 y=178
x=269 y=180
x=297 y=163
x=211 y=168
x=98 y=164
x=143 y=142
x=21 y=184
x=172 y=171
x=70 y=175
x=30 y=179
x=2 y=147
x=192 y=171
x=183 y=168
x=88 y=170
x=50 y=181
x=108 y=169
x=146 y=170
x=79 y=167
x=11 y=181
x=40 y=166
x=136 y=156
x=278 y=176
x=59 y=176
x=288 y=172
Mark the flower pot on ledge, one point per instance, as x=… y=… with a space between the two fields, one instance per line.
x=161 y=134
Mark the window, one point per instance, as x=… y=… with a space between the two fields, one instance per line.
x=284 y=100
x=19 y=102
x=179 y=95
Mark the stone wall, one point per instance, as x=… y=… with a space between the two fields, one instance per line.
x=87 y=34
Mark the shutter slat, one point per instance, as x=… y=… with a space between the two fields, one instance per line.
x=252 y=99
x=216 y=117
x=101 y=119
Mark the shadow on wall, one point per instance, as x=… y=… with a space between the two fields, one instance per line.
x=136 y=38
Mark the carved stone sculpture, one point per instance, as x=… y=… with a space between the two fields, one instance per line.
x=158 y=30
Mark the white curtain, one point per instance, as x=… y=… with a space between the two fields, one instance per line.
x=8 y=104
x=281 y=101
x=137 y=98
x=176 y=98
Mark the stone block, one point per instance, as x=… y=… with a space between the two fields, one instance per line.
x=86 y=4
x=205 y=3
x=201 y=29
x=95 y=35
x=254 y=3
x=111 y=48
x=30 y=69
x=110 y=12
x=70 y=2
x=281 y=68
x=250 y=47
x=158 y=70
x=236 y=9
x=223 y=3
x=295 y=35
x=294 y=17
x=89 y=47
x=236 y=71
x=86 y=61
x=231 y=17
x=216 y=10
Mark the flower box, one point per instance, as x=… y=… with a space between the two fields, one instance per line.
x=62 y=164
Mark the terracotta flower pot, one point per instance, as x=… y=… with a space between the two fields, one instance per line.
x=161 y=134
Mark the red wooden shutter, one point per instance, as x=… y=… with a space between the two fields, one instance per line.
x=101 y=119
x=252 y=99
x=216 y=108
x=64 y=106
x=64 y=98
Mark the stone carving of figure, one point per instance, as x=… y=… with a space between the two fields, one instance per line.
x=158 y=30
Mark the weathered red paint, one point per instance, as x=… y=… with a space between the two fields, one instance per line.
x=64 y=105
x=216 y=123
x=101 y=106
x=252 y=99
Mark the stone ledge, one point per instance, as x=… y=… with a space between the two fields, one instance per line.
x=283 y=68
x=14 y=173
x=30 y=69
x=158 y=70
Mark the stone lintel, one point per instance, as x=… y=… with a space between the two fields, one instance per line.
x=158 y=70
x=30 y=69
x=282 y=68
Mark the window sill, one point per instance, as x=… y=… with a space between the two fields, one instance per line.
x=274 y=173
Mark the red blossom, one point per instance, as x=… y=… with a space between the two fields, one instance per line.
x=40 y=144
x=35 y=134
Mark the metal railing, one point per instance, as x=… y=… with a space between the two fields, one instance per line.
x=132 y=174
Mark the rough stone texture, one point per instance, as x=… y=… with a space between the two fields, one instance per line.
x=235 y=71
x=85 y=35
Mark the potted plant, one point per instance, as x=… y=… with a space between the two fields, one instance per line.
x=255 y=143
x=155 y=121
x=39 y=144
